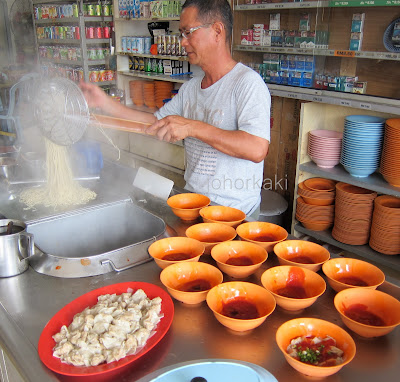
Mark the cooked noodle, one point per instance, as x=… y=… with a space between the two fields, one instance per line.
x=61 y=189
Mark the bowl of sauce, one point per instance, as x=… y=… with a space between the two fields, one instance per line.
x=301 y=331
x=301 y=253
x=294 y=288
x=262 y=233
x=239 y=259
x=172 y=250
x=210 y=234
x=239 y=305
x=189 y=282
x=343 y=273
x=368 y=312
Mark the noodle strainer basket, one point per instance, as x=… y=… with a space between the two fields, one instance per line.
x=60 y=110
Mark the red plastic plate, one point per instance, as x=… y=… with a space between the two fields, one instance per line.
x=66 y=314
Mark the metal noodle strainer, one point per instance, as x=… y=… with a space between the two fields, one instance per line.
x=60 y=110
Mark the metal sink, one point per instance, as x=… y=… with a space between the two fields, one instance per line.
x=94 y=240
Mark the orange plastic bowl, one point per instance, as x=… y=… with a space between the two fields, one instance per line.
x=221 y=214
x=262 y=233
x=190 y=282
x=235 y=292
x=301 y=253
x=187 y=206
x=343 y=273
x=211 y=234
x=320 y=184
x=239 y=253
x=314 y=327
x=278 y=277
x=172 y=250
x=386 y=307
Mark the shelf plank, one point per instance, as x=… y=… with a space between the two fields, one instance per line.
x=358 y=101
x=153 y=76
x=162 y=57
x=275 y=6
x=62 y=62
x=60 y=41
x=364 y=251
x=147 y=19
x=374 y=182
x=64 y=20
x=318 y=52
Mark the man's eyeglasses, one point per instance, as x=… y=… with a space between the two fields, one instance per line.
x=188 y=33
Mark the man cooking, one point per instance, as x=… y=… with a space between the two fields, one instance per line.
x=223 y=117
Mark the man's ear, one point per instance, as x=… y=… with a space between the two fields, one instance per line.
x=219 y=30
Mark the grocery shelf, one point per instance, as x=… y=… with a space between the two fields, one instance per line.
x=147 y=19
x=98 y=18
x=96 y=62
x=274 y=6
x=364 y=251
x=159 y=56
x=63 y=62
x=374 y=182
x=320 y=52
x=317 y=4
x=153 y=76
x=58 y=41
x=358 y=101
x=91 y=41
x=64 y=20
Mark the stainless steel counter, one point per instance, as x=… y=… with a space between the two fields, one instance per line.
x=29 y=300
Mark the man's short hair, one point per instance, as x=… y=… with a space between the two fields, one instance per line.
x=213 y=10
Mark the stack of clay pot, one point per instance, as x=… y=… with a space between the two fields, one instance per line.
x=390 y=159
x=163 y=91
x=385 y=228
x=149 y=94
x=136 y=92
x=315 y=205
x=353 y=214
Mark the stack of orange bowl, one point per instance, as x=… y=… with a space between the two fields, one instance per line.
x=149 y=94
x=314 y=207
x=390 y=159
x=324 y=147
x=163 y=90
x=353 y=214
x=385 y=228
x=136 y=92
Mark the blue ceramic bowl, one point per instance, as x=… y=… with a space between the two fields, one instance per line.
x=359 y=173
x=364 y=119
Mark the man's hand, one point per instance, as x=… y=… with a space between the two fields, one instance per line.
x=94 y=95
x=172 y=128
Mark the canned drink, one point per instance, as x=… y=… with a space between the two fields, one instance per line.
x=178 y=46
x=75 y=10
x=77 y=33
x=154 y=65
x=97 y=9
x=89 y=32
x=134 y=44
x=141 y=64
x=93 y=75
x=173 y=45
x=140 y=45
x=90 y=9
x=168 y=45
x=147 y=45
x=85 y=9
x=136 y=63
x=106 y=32
x=160 y=67
x=78 y=54
x=92 y=54
x=129 y=44
x=98 y=32
x=123 y=44
x=106 y=9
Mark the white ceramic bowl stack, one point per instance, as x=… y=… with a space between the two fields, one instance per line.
x=324 y=147
x=362 y=144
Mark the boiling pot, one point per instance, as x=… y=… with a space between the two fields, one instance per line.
x=16 y=245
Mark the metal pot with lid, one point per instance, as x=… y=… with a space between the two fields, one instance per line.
x=16 y=246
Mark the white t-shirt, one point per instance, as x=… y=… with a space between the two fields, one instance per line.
x=240 y=100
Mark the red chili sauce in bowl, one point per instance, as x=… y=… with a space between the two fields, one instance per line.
x=295 y=285
x=241 y=309
x=359 y=313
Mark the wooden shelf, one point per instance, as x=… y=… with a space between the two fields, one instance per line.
x=153 y=76
x=364 y=251
x=318 y=52
x=162 y=57
x=374 y=182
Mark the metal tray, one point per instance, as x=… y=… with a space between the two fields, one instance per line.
x=96 y=240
